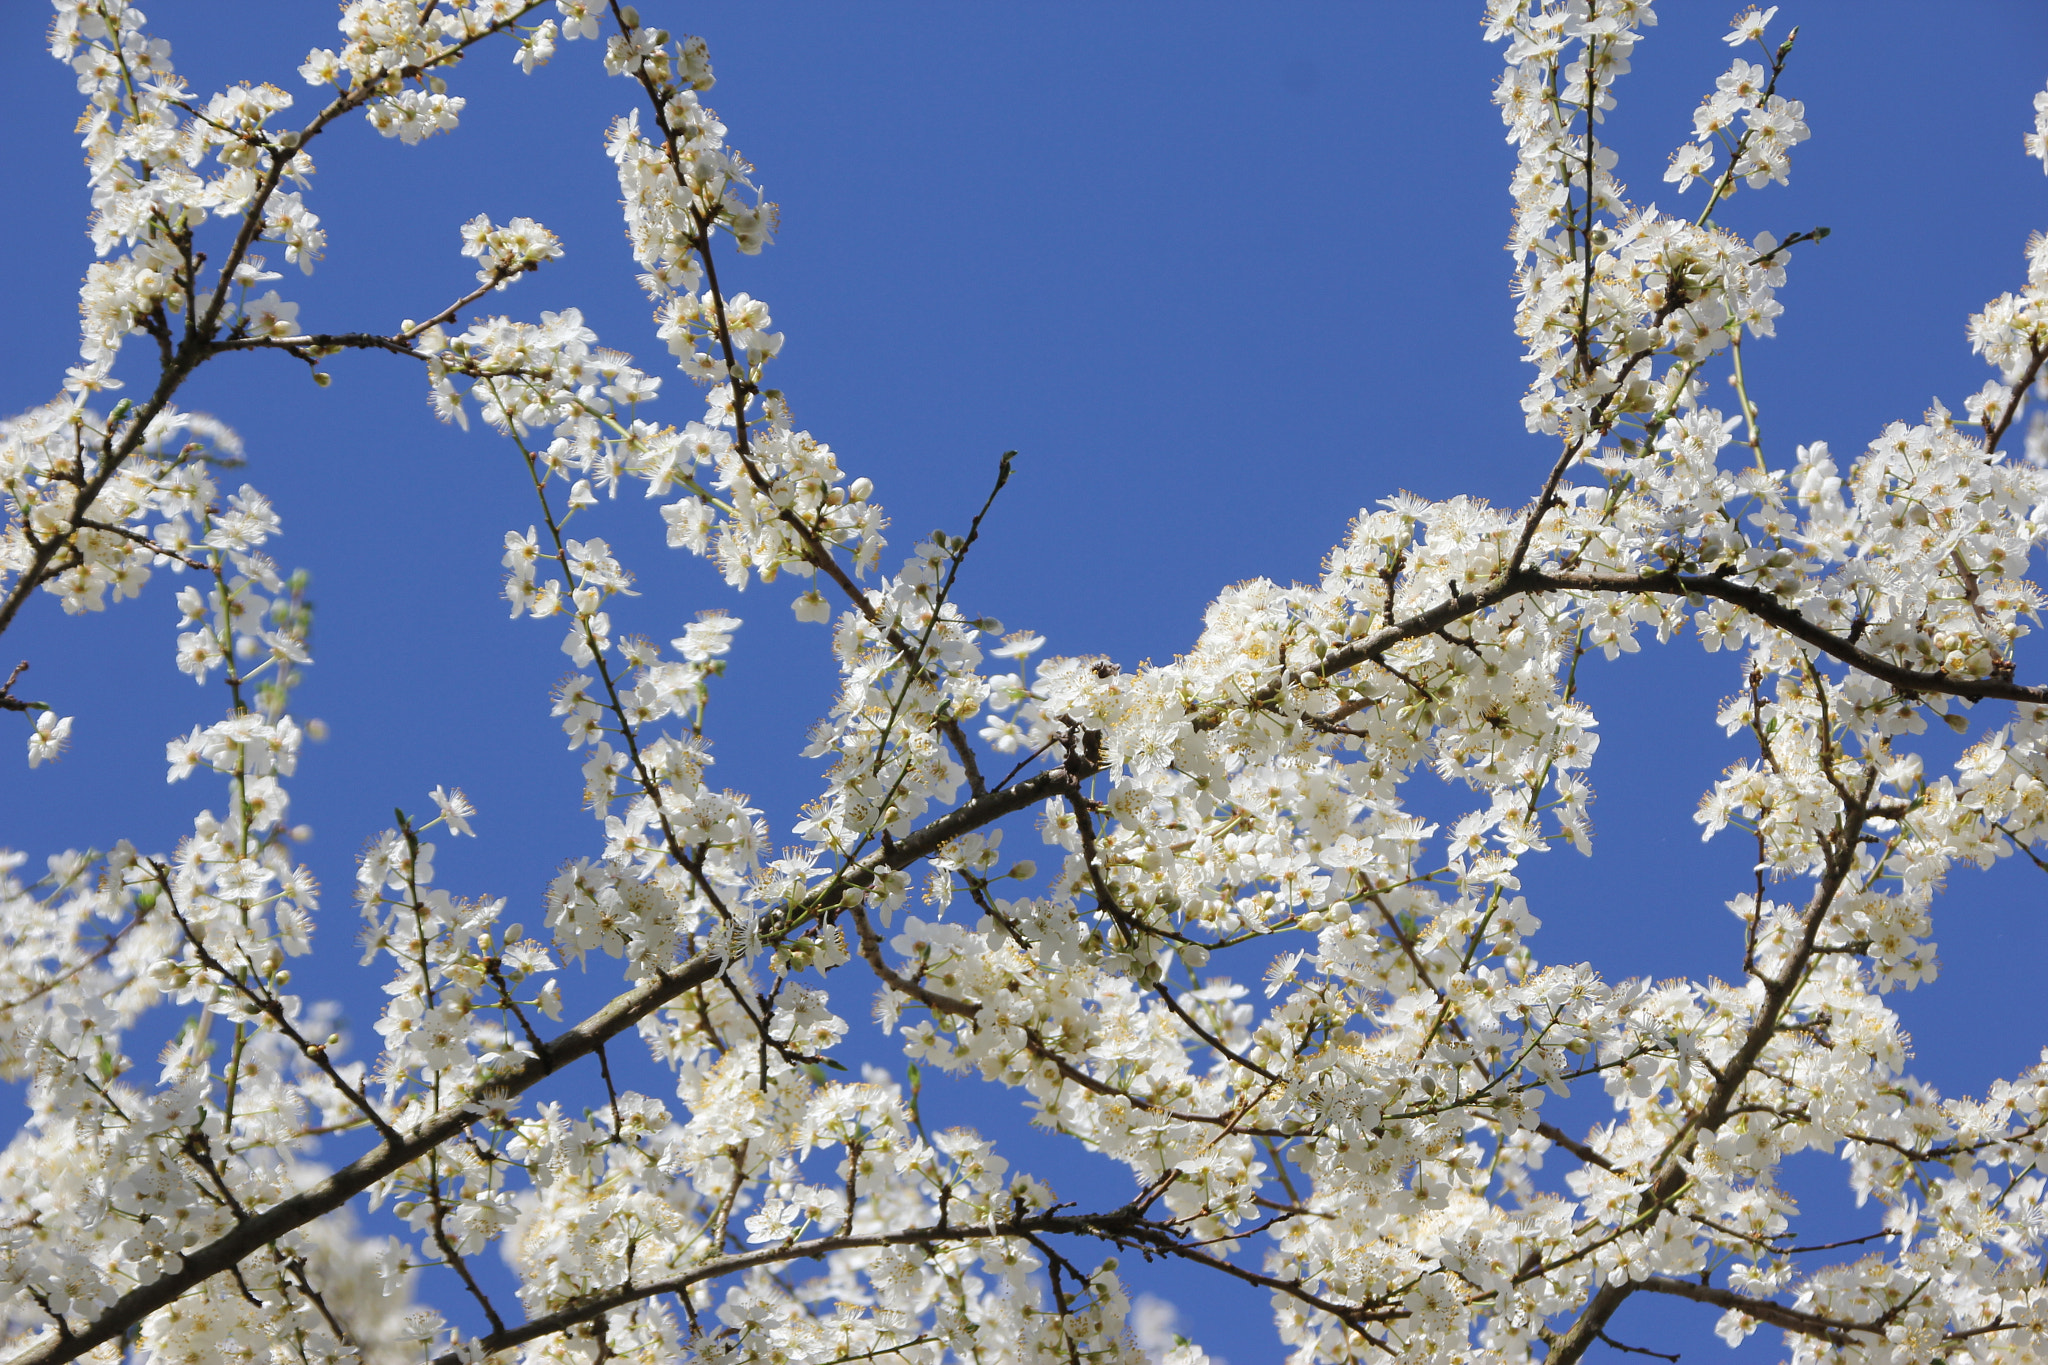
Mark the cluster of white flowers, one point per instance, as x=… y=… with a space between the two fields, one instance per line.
x=1362 y=1137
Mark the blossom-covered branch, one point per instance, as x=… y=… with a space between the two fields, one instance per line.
x=1364 y=1142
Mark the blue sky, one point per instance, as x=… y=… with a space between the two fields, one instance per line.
x=1221 y=273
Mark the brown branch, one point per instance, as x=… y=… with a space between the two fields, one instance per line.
x=1756 y=601
x=2015 y=395
x=1668 y=1174
x=1122 y=1225
x=1547 y=499
x=1426 y=622
x=302 y=346
x=1639 y=1350
x=10 y=702
x=1211 y=1039
x=399 y=343
x=941 y=1003
x=389 y=1157
x=1773 y=612
x=1763 y=1310
x=817 y=552
x=1574 y=1146
x=199 y=344
x=266 y=1005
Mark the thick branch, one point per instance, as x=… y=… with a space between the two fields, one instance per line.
x=1774 y=612
x=1763 y=1310
x=596 y=1305
x=1125 y=1225
x=1668 y=1175
x=625 y=1011
x=1763 y=605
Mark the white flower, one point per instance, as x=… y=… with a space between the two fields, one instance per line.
x=50 y=737
x=455 y=810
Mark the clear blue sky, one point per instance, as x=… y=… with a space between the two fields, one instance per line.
x=1222 y=273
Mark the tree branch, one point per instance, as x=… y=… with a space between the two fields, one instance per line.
x=1763 y=1310
x=622 y=1013
x=1774 y=612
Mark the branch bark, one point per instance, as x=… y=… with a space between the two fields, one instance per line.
x=1763 y=1310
